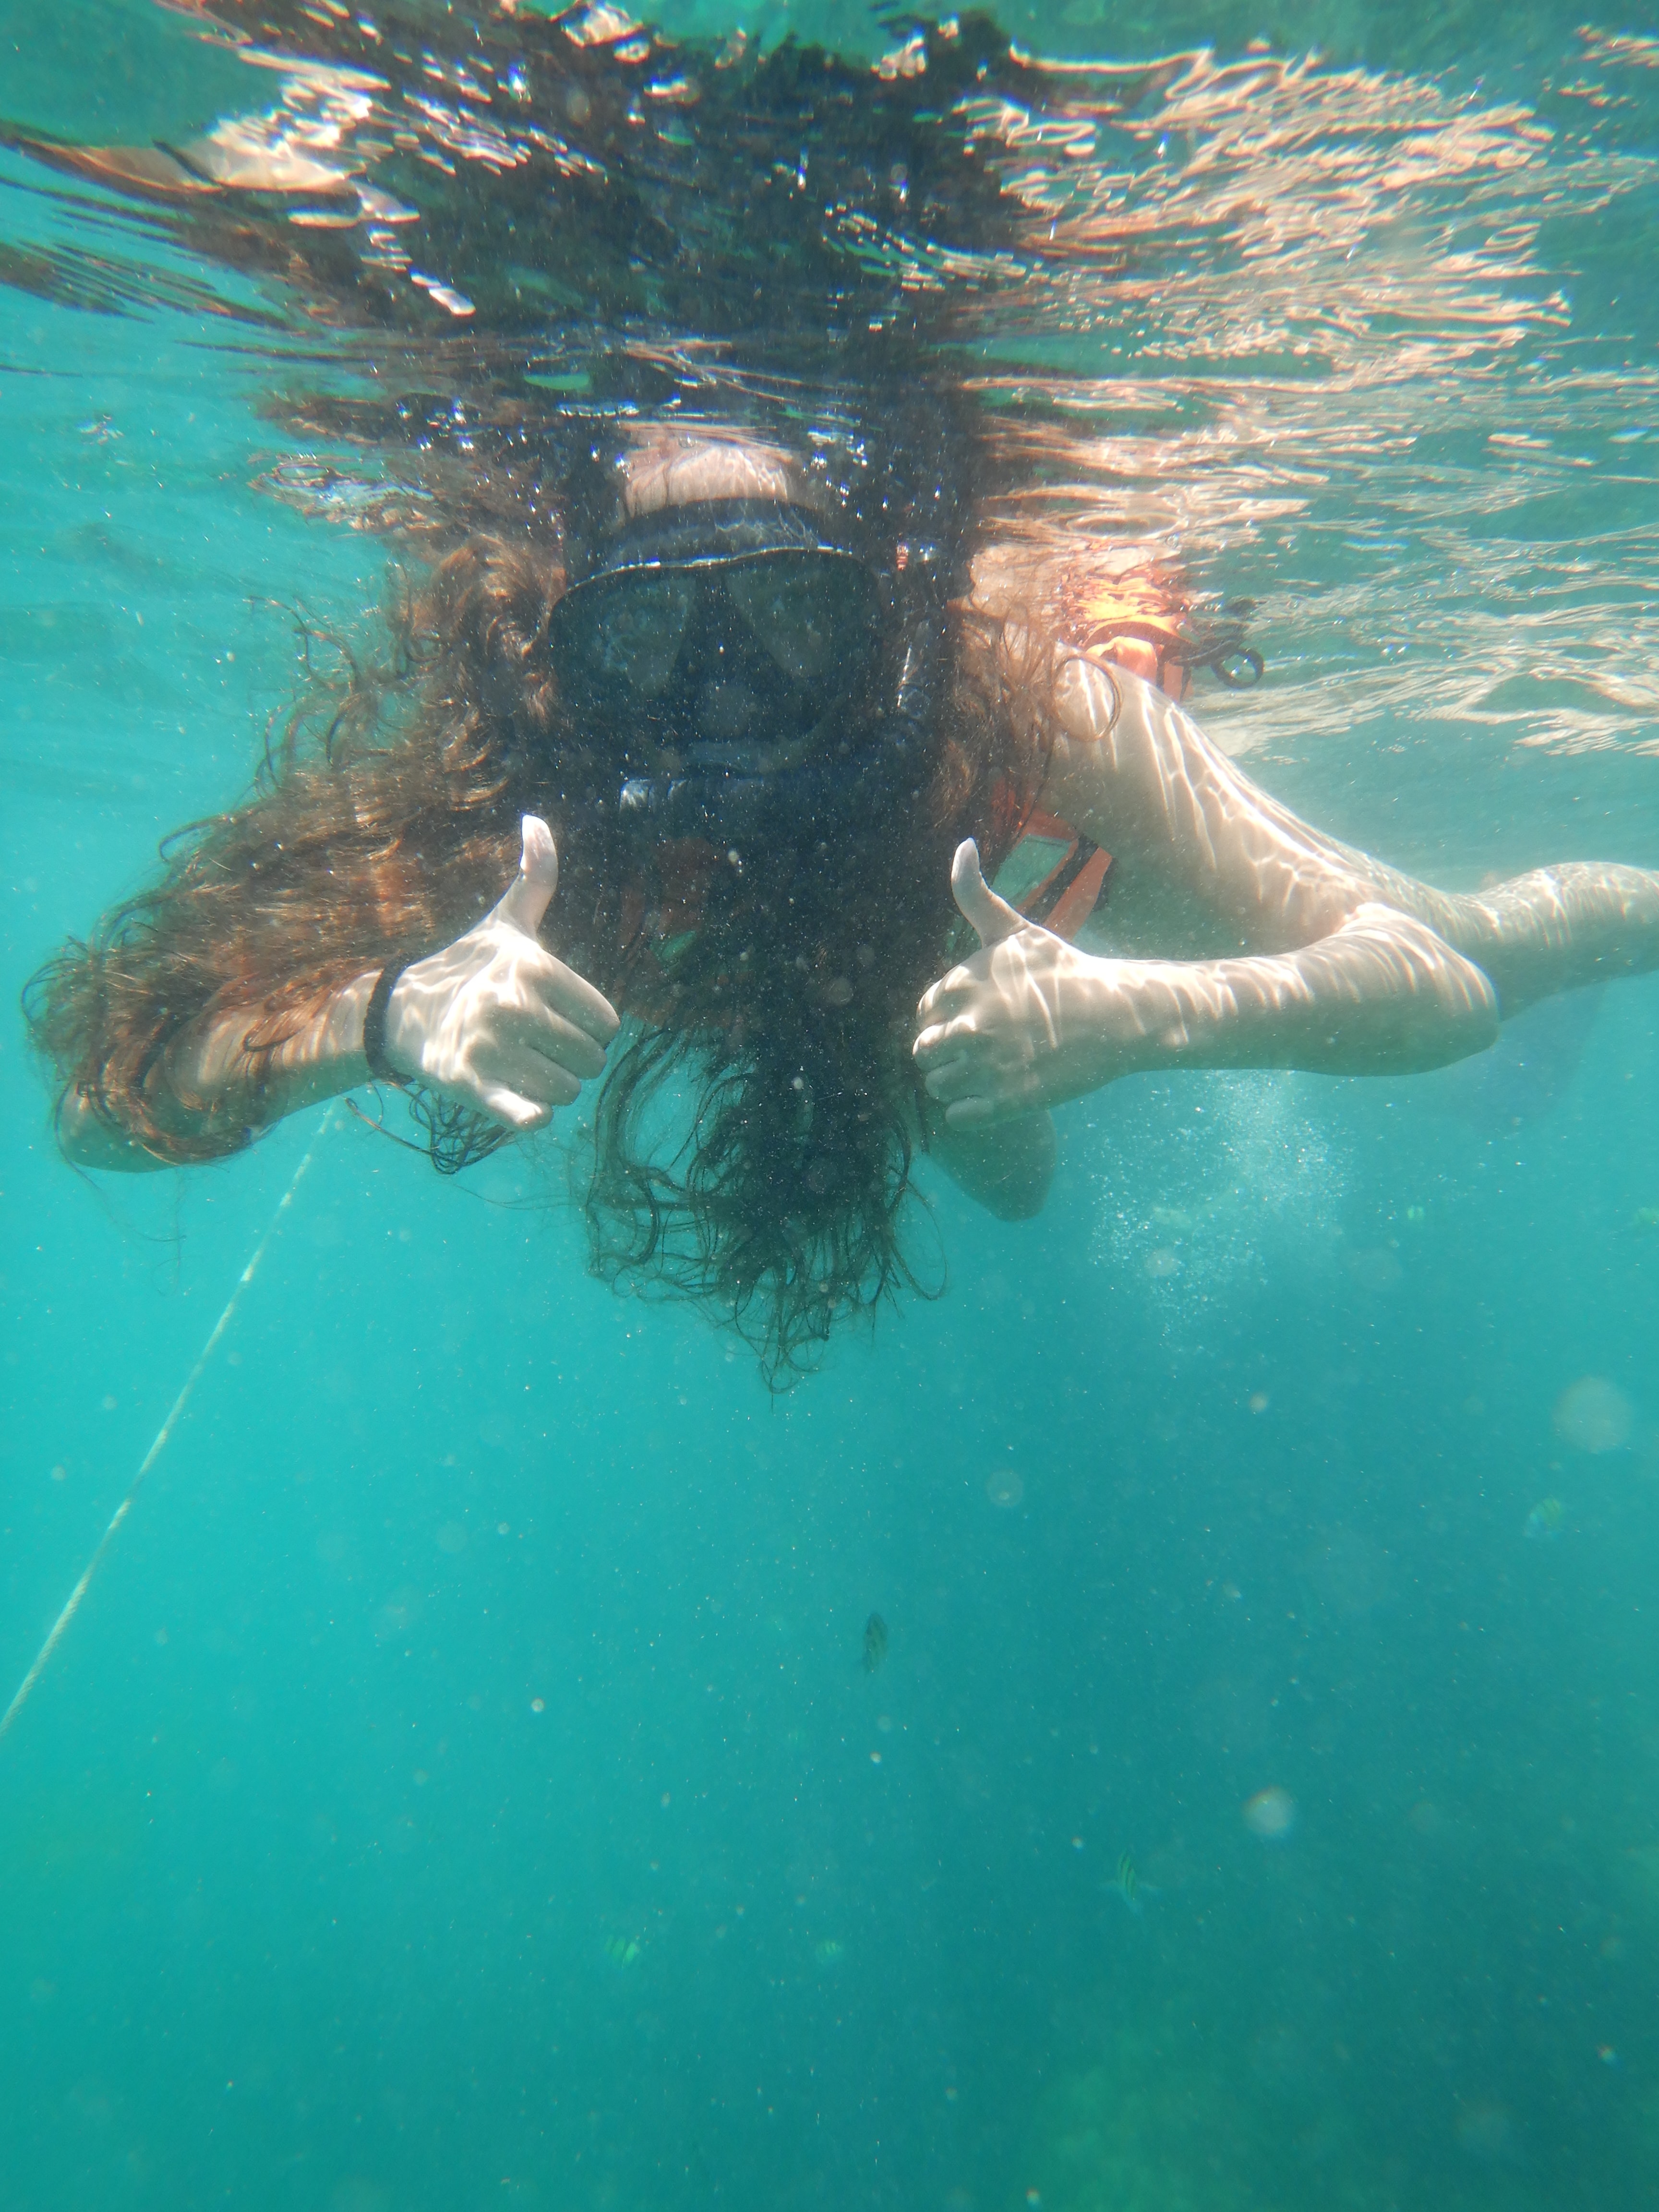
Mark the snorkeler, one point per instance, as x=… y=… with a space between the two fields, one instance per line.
x=775 y=763
x=727 y=695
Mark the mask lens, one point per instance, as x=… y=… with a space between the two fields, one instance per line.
x=625 y=636
x=813 y=616
x=804 y=611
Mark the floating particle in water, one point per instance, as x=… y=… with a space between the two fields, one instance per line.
x=1178 y=1218
x=1486 y=2131
x=875 y=1643
x=1254 y=1184
x=1646 y=1217
x=1374 y=1267
x=1544 y=1522
x=1005 y=1487
x=398 y=1615
x=357 y=2194
x=1271 y=1814
x=1260 y=1402
x=1593 y=1414
x=1349 y=1570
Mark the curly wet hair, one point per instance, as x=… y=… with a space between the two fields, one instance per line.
x=775 y=1036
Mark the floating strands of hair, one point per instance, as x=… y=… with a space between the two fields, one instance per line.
x=55 y=1634
x=457 y=1138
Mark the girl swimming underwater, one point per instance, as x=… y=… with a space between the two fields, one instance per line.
x=725 y=652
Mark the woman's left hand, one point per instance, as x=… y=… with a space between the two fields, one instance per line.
x=1027 y=1022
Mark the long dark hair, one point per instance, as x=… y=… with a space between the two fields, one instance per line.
x=386 y=822
x=781 y=1049
x=689 y=265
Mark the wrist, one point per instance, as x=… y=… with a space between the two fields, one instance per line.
x=1130 y=1021
x=385 y=1065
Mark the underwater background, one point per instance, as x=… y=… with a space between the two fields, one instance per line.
x=470 y=1779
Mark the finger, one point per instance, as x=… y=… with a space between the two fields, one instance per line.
x=993 y=917
x=530 y=894
x=929 y=1045
x=950 y=994
x=511 y=1060
x=574 y=998
x=970 y=1113
x=538 y=1030
x=951 y=1079
x=518 y=1112
x=938 y=1035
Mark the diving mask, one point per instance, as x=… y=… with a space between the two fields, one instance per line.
x=719 y=641
x=734 y=619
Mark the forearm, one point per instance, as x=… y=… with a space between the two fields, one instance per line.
x=222 y=1078
x=1383 y=995
x=1556 y=929
x=1030 y=1021
x=1193 y=837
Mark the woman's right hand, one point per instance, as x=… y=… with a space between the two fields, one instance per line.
x=493 y=1018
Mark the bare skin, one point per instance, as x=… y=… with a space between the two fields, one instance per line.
x=1266 y=945
x=1297 y=951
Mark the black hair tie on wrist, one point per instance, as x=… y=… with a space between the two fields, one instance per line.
x=375 y=1014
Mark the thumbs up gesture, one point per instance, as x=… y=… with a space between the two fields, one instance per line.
x=493 y=1018
x=1025 y=1022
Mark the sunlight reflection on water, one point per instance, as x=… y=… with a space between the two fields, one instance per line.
x=1362 y=348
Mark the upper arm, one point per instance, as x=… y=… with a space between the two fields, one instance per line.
x=1007 y=1169
x=1206 y=864
x=1208 y=855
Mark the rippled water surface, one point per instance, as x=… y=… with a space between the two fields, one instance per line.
x=466 y=1781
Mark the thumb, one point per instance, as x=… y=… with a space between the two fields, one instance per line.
x=993 y=917
x=530 y=894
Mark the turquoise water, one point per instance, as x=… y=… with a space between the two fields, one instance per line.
x=461 y=1785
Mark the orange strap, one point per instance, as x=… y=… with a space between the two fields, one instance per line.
x=1067 y=895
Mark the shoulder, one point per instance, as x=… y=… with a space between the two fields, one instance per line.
x=1058 y=611
x=1067 y=648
